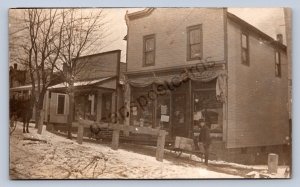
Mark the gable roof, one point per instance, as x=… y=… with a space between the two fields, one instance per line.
x=255 y=30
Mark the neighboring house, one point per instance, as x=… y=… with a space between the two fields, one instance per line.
x=190 y=64
x=95 y=87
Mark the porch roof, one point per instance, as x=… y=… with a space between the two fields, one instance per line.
x=20 y=88
x=81 y=83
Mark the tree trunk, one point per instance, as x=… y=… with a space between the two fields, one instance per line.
x=71 y=113
x=36 y=116
x=41 y=121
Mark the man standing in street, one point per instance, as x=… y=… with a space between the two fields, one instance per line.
x=204 y=138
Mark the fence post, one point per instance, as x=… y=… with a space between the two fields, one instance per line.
x=160 y=145
x=115 y=139
x=80 y=133
x=272 y=163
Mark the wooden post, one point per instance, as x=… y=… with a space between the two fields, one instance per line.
x=127 y=98
x=80 y=133
x=160 y=145
x=272 y=163
x=115 y=139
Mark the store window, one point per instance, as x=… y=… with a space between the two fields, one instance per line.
x=163 y=112
x=142 y=108
x=207 y=108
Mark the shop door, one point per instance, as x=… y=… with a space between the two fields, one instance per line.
x=179 y=116
x=106 y=107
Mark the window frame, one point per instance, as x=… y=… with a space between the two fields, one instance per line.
x=188 y=30
x=64 y=111
x=145 y=38
x=277 y=64
x=247 y=62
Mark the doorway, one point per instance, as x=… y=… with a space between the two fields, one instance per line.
x=179 y=115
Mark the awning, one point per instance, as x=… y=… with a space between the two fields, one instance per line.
x=204 y=76
x=80 y=83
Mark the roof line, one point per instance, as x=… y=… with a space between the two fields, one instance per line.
x=255 y=30
x=96 y=54
x=140 y=14
x=148 y=11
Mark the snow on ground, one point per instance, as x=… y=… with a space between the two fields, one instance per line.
x=49 y=156
x=56 y=157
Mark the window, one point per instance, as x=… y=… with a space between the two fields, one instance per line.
x=194 y=41
x=61 y=104
x=149 y=50
x=277 y=64
x=245 y=49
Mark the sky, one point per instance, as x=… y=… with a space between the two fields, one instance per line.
x=268 y=20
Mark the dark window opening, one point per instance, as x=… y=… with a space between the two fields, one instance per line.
x=61 y=104
x=245 y=49
x=277 y=64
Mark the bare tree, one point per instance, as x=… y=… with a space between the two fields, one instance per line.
x=83 y=33
x=52 y=41
x=39 y=48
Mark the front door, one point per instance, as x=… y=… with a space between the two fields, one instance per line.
x=179 y=115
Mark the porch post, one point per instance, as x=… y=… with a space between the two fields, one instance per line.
x=127 y=99
x=190 y=109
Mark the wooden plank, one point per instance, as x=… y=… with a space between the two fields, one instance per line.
x=134 y=129
x=88 y=123
x=160 y=145
x=115 y=139
x=80 y=134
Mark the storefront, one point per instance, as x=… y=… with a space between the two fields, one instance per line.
x=176 y=102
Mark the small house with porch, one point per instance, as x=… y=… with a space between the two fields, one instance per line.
x=96 y=90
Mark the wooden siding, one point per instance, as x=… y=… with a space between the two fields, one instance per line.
x=98 y=65
x=257 y=99
x=170 y=26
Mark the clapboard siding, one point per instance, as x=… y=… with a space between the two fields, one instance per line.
x=169 y=27
x=257 y=100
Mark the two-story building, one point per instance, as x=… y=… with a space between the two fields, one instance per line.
x=191 y=64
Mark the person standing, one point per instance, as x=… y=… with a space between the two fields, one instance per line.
x=204 y=138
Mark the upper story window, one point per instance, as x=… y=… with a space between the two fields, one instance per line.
x=194 y=42
x=245 y=49
x=277 y=64
x=61 y=104
x=149 y=50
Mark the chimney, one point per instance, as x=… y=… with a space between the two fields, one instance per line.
x=15 y=66
x=279 y=38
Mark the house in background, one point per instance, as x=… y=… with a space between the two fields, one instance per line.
x=208 y=64
x=96 y=90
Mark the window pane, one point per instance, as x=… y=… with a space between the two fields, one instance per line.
x=149 y=58
x=195 y=51
x=61 y=104
x=195 y=36
x=244 y=55
x=149 y=44
x=244 y=41
x=277 y=58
